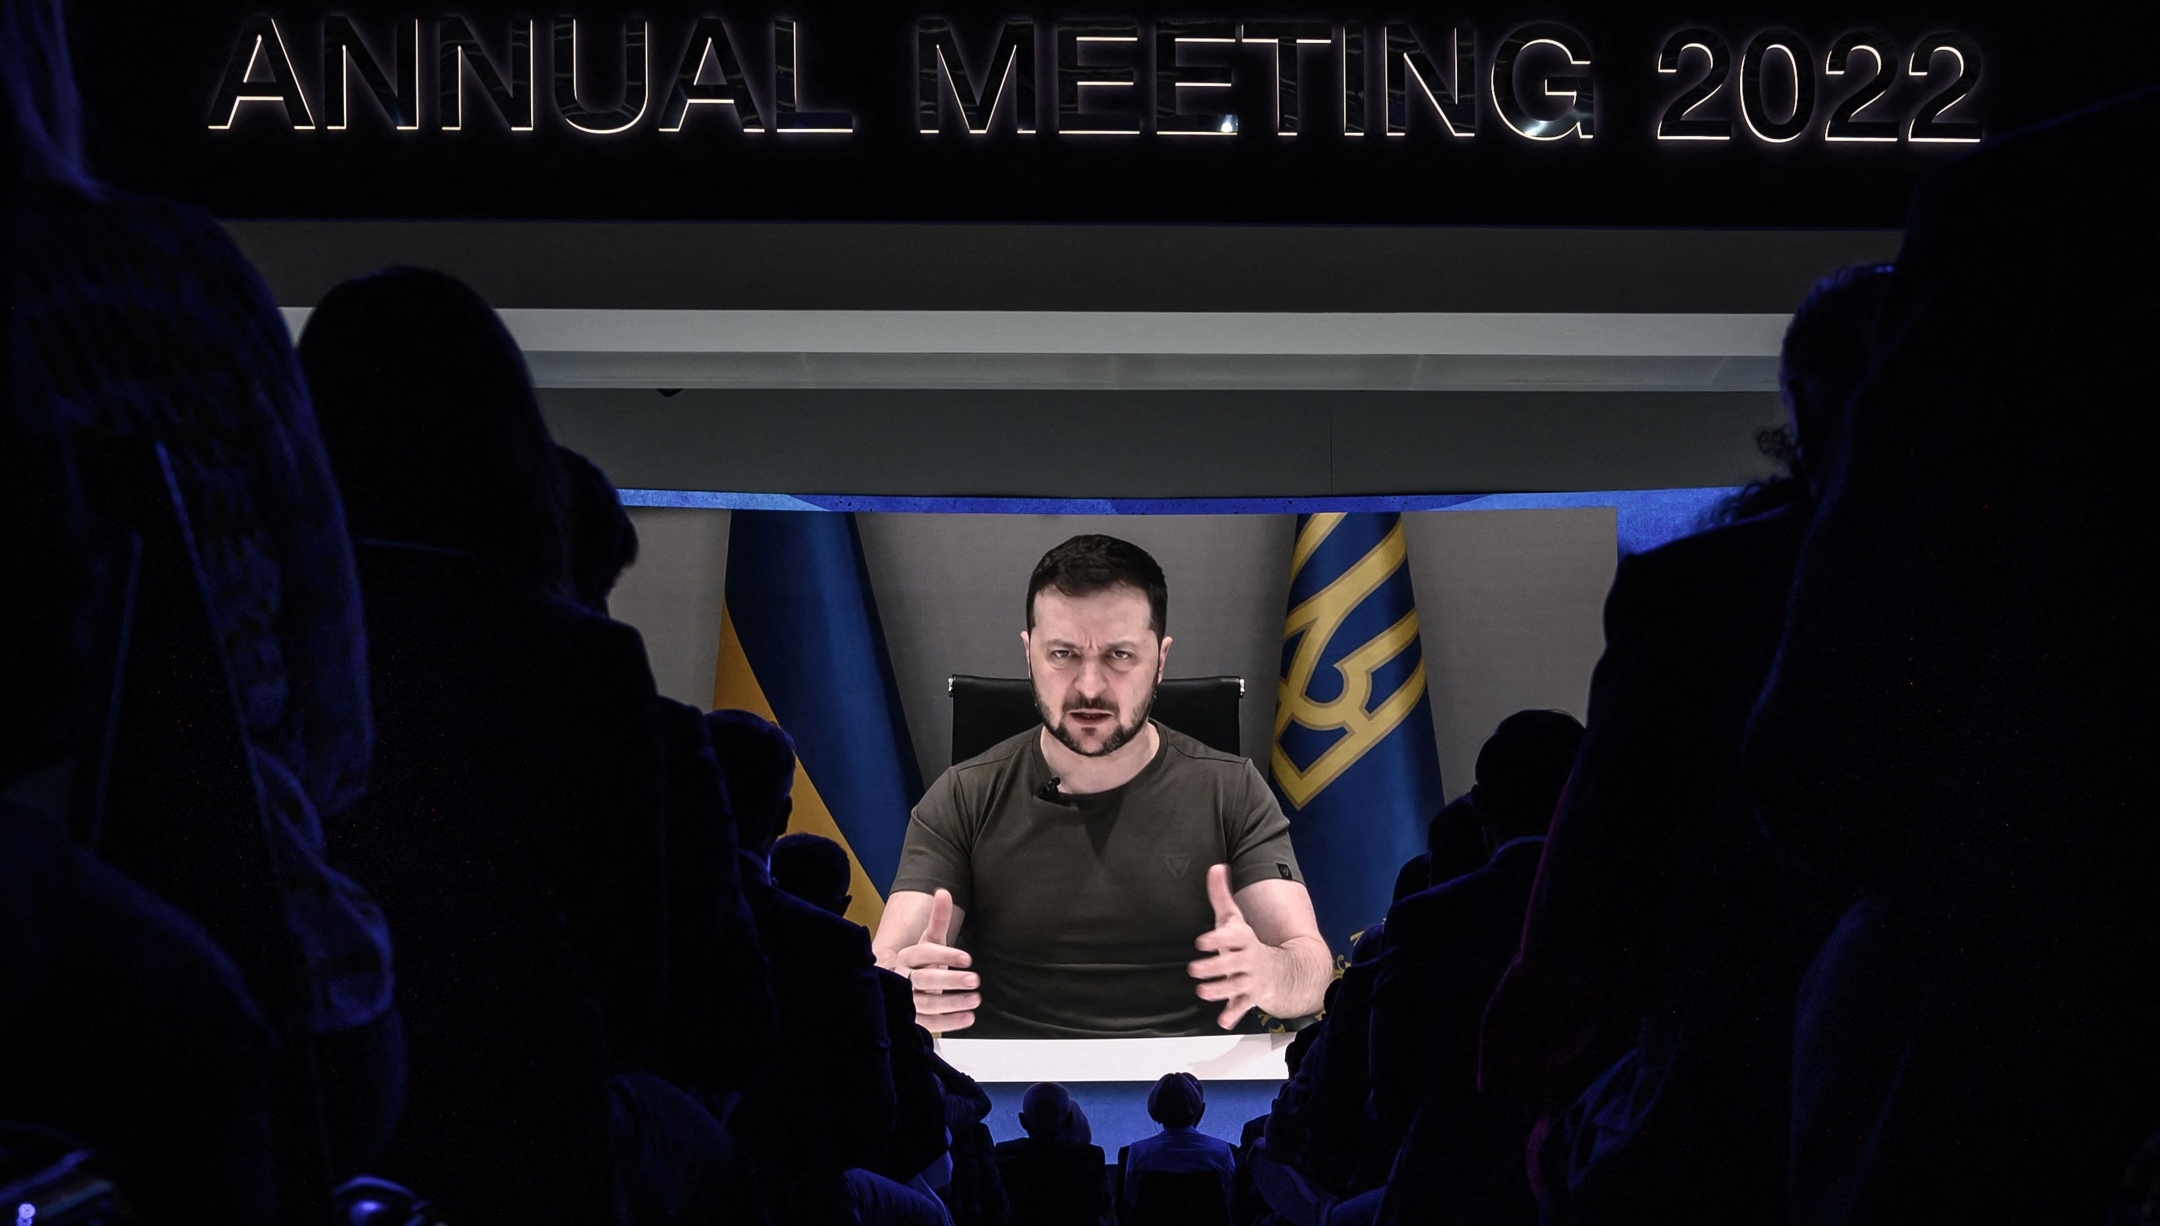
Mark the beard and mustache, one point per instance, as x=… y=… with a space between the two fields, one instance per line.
x=1121 y=733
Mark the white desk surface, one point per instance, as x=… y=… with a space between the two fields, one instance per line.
x=1233 y=1057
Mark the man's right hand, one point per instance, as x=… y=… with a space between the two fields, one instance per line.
x=946 y=992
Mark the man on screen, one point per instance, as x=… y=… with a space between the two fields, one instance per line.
x=1058 y=885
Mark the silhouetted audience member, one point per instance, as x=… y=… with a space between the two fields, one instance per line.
x=123 y=1025
x=823 y=1100
x=1961 y=719
x=162 y=356
x=1316 y=1144
x=920 y=1143
x=1458 y=1156
x=1414 y=875
x=1338 y=1154
x=1289 y=1119
x=719 y=1007
x=814 y=869
x=603 y=541
x=1453 y=842
x=1053 y=1176
x=513 y=825
x=973 y=1193
x=1661 y=913
x=1177 y=1103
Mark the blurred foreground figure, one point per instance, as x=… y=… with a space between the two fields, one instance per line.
x=1961 y=722
x=225 y=652
x=513 y=824
x=122 y=1026
x=1666 y=939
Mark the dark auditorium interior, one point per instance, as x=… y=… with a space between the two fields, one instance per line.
x=1574 y=569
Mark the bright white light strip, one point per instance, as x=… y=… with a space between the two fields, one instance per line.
x=1542 y=334
x=1247 y=1057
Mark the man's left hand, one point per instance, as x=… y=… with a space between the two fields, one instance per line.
x=1243 y=973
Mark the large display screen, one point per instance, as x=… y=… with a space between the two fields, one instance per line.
x=1377 y=642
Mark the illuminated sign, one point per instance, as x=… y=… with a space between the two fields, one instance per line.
x=1538 y=82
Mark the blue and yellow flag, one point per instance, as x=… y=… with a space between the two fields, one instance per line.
x=800 y=644
x=1353 y=760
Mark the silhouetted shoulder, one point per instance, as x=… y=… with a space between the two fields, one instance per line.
x=1416 y=921
x=804 y=934
x=1672 y=589
x=1742 y=547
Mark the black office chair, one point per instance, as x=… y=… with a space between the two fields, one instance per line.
x=1182 y=1198
x=987 y=710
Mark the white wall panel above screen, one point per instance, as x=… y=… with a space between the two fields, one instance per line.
x=1342 y=350
x=1243 y=1057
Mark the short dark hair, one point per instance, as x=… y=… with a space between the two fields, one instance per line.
x=1092 y=563
x=1176 y=1101
x=1046 y=1111
x=813 y=868
x=757 y=760
x=1523 y=768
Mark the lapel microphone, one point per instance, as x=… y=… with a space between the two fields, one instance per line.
x=1049 y=791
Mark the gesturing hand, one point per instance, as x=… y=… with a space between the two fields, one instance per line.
x=1243 y=971
x=946 y=992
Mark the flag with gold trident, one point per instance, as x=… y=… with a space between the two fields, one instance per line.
x=1353 y=759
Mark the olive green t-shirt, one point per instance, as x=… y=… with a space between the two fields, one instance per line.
x=1081 y=911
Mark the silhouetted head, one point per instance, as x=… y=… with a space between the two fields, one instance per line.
x=1825 y=357
x=1077 y=1130
x=1046 y=1111
x=1097 y=609
x=1176 y=1101
x=814 y=869
x=431 y=424
x=1455 y=841
x=37 y=90
x=1521 y=772
x=1414 y=875
x=1294 y=1055
x=757 y=761
x=603 y=541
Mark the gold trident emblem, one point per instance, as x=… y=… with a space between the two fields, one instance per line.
x=1319 y=616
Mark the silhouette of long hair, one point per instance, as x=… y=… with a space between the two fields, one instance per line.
x=432 y=427
x=1820 y=366
x=37 y=86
